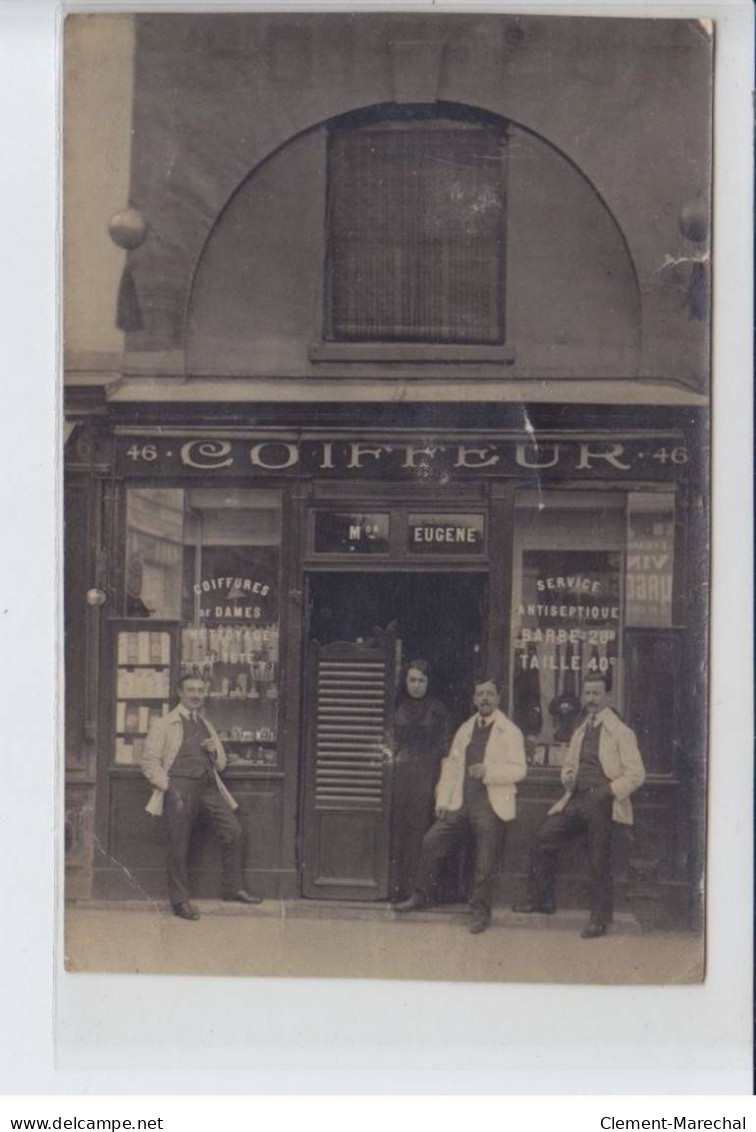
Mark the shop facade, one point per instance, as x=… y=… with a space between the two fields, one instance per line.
x=296 y=571
x=461 y=416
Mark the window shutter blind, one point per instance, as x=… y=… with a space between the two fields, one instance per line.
x=416 y=233
x=351 y=706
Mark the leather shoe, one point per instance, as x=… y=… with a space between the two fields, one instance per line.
x=412 y=904
x=479 y=924
x=242 y=897
x=546 y=909
x=185 y=911
x=594 y=930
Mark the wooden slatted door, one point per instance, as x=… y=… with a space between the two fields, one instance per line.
x=348 y=774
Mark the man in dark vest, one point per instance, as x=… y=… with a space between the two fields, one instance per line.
x=182 y=759
x=475 y=793
x=602 y=769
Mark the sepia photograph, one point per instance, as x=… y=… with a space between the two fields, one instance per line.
x=386 y=519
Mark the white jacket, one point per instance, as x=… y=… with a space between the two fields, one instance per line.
x=504 y=765
x=620 y=761
x=161 y=746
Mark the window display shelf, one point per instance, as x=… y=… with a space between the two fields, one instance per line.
x=130 y=689
x=239 y=698
x=143 y=671
x=243 y=771
x=239 y=665
x=235 y=771
x=231 y=744
x=143 y=699
x=251 y=762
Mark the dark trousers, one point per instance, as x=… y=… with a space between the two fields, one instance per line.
x=411 y=816
x=183 y=803
x=447 y=833
x=588 y=814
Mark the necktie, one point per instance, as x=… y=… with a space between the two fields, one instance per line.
x=194 y=717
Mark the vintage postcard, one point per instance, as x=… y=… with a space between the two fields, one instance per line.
x=387 y=394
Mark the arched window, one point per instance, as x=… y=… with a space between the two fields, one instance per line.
x=416 y=229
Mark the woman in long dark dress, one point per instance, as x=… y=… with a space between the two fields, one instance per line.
x=421 y=741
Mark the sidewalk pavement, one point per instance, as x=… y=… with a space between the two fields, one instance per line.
x=323 y=939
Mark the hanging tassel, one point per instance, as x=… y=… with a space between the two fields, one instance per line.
x=696 y=300
x=128 y=310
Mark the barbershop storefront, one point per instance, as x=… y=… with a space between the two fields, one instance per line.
x=297 y=569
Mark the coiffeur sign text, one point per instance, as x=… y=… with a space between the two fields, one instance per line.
x=654 y=458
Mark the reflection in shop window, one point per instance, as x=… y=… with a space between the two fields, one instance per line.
x=154 y=550
x=210 y=559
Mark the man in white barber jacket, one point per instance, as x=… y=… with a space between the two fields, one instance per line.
x=602 y=769
x=475 y=793
x=182 y=759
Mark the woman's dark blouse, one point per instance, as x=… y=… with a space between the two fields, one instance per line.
x=421 y=739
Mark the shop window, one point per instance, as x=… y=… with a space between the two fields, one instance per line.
x=416 y=232
x=650 y=559
x=593 y=593
x=210 y=560
x=587 y=567
x=654 y=661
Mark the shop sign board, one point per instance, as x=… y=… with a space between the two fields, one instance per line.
x=444 y=534
x=351 y=532
x=650 y=560
x=656 y=458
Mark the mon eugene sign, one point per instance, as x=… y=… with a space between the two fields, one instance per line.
x=442 y=534
x=437 y=460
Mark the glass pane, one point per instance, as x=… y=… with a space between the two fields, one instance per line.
x=210 y=558
x=650 y=559
x=143 y=689
x=593 y=591
x=416 y=233
x=231 y=615
x=568 y=621
x=567 y=615
x=154 y=552
x=653 y=658
x=342 y=532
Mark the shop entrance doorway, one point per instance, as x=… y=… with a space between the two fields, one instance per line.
x=362 y=629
